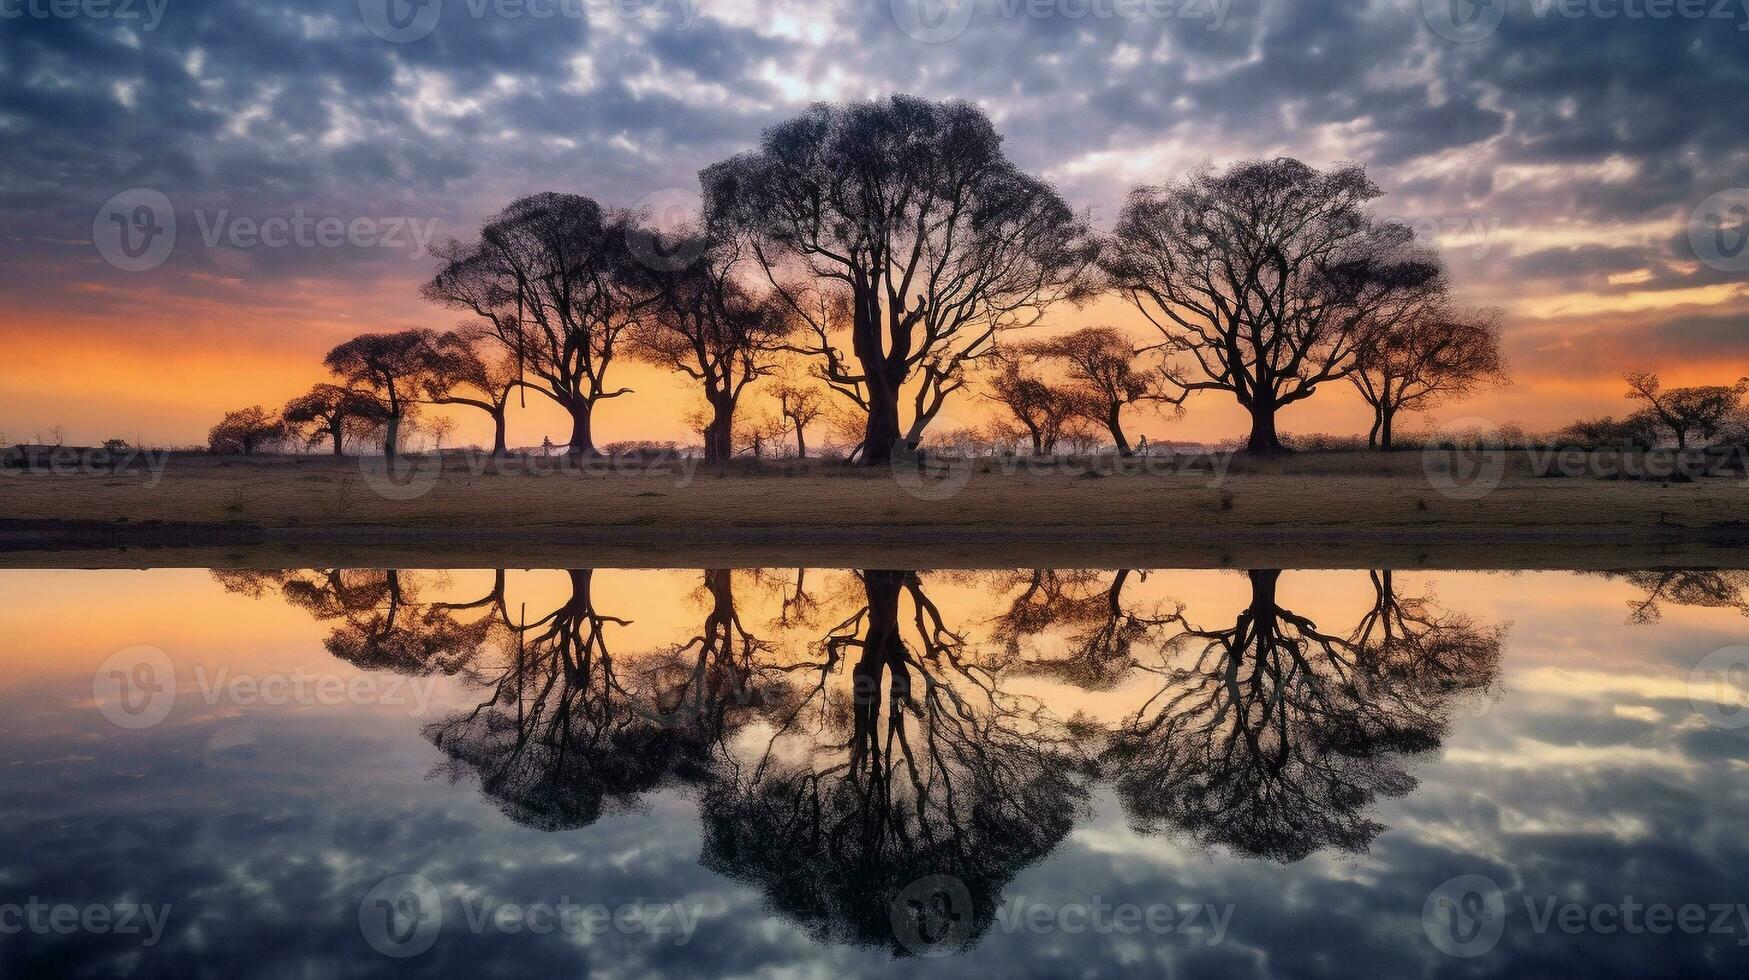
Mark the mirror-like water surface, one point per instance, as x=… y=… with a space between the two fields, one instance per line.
x=344 y=772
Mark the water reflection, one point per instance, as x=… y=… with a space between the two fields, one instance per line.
x=1277 y=736
x=873 y=741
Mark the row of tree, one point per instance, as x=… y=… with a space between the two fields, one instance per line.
x=893 y=248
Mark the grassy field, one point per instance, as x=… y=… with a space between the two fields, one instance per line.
x=1371 y=507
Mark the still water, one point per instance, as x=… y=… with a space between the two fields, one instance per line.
x=782 y=772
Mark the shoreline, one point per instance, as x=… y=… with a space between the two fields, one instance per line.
x=78 y=544
x=1342 y=510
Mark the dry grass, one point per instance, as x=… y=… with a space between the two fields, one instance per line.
x=1329 y=492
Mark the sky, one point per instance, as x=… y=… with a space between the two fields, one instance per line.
x=1583 y=165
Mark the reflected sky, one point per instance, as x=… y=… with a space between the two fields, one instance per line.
x=834 y=772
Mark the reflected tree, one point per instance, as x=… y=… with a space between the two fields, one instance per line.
x=1102 y=631
x=568 y=734
x=923 y=768
x=1704 y=588
x=1277 y=737
x=382 y=621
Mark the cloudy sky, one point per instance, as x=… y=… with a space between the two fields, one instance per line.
x=1581 y=163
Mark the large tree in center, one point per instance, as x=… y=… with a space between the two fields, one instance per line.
x=548 y=278
x=900 y=226
x=1266 y=278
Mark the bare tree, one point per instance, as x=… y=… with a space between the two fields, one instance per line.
x=705 y=323
x=387 y=365
x=1100 y=363
x=1276 y=737
x=1042 y=408
x=332 y=413
x=907 y=212
x=455 y=371
x=898 y=756
x=548 y=278
x=246 y=430
x=1700 y=411
x=1264 y=276
x=800 y=405
x=1421 y=354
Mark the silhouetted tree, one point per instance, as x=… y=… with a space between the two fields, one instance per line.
x=246 y=430
x=388 y=366
x=1277 y=736
x=1702 y=588
x=455 y=371
x=1687 y=412
x=800 y=406
x=548 y=277
x=1103 y=632
x=1422 y=354
x=907 y=212
x=1265 y=277
x=383 y=623
x=705 y=323
x=1100 y=366
x=333 y=413
x=925 y=766
x=1042 y=408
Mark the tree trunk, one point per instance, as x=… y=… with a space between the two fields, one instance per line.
x=719 y=435
x=582 y=436
x=1372 y=435
x=883 y=650
x=801 y=443
x=1114 y=422
x=881 y=436
x=338 y=431
x=1263 y=439
x=1387 y=416
x=391 y=436
x=499 y=446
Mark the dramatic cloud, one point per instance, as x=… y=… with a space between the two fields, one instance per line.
x=1558 y=158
